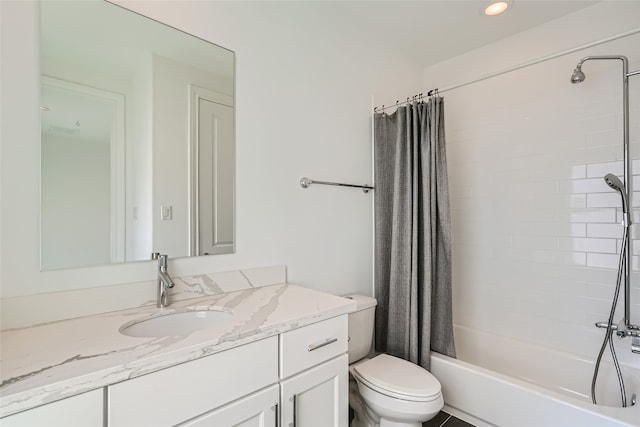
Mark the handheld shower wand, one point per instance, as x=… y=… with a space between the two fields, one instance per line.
x=615 y=183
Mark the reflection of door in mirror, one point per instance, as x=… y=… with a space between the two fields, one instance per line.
x=212 y=152
x=82 y=175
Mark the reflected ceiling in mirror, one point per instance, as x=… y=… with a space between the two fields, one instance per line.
x=137 y=138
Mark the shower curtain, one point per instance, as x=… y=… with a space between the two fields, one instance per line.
x=413 y=233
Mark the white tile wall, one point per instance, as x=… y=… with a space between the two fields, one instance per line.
x=536 y=231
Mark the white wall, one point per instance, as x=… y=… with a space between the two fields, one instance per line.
x=305 y=82
x=535 y=229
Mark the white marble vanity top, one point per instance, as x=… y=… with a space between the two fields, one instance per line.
x=48 y=362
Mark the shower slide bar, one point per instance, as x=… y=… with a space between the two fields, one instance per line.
x=306 y=182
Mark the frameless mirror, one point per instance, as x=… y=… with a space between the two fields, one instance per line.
x=137 y=138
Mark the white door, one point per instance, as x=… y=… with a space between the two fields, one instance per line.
x=318 y=397
x=214 y=159
x=256 y=410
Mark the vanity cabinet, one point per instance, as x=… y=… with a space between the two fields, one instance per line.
x=83 y=410
x=296 y=379
x=314 y=375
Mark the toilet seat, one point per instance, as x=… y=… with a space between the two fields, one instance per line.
x=398 y=378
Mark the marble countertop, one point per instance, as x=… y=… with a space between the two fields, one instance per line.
x=49 y=362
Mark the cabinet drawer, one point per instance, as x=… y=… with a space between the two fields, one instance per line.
x=179 y=393
x=83 y=410
x=311 y=345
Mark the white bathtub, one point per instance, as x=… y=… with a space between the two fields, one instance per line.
x=498 y=381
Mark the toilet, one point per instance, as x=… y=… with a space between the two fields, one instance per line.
x=386 y=391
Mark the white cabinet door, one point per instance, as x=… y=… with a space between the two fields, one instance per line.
x=318 y=397
x=256 y=410
x=83 y=410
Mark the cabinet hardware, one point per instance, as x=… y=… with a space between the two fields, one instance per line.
x=276 y=409
x=317 y=346
x=293 y=400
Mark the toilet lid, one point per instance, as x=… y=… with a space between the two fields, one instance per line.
x=398 y=377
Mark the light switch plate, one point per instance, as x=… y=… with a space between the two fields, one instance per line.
x=166 y=213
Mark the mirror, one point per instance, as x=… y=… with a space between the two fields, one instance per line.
x=137 y=138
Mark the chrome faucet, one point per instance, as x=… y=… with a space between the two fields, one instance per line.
x=623 y=331
x=164 y=280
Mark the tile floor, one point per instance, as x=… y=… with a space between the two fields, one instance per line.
x=445 y=420
x=441 y=420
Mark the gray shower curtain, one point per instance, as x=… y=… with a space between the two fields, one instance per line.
x=413 y=233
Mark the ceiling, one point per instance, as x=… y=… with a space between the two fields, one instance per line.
x=431 y=31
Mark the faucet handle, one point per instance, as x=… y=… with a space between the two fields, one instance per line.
x=155 y=255
x=635 y=345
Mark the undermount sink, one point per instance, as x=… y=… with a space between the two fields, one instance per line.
x=177 y=323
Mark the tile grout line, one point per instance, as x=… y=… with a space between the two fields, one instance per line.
x=445 y=421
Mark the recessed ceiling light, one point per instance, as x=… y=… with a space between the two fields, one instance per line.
x=496 y=8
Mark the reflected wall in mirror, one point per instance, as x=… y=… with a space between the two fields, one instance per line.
x=137 y=147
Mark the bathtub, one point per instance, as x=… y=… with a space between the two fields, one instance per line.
x=498 y=381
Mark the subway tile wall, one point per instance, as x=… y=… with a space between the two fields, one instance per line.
x=536 y=231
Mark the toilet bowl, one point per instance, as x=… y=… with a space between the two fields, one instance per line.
x=396 y=392
x=386 y=391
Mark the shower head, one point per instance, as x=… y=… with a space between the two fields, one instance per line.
x=615 y=183
x=578 y=76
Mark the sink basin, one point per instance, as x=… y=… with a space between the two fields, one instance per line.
x=178 y=323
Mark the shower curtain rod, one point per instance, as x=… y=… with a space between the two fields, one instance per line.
x=518 y=67
x=417 y=97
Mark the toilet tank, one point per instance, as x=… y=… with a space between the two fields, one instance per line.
x=361 y=324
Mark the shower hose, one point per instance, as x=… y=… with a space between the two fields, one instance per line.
x=609 y=332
